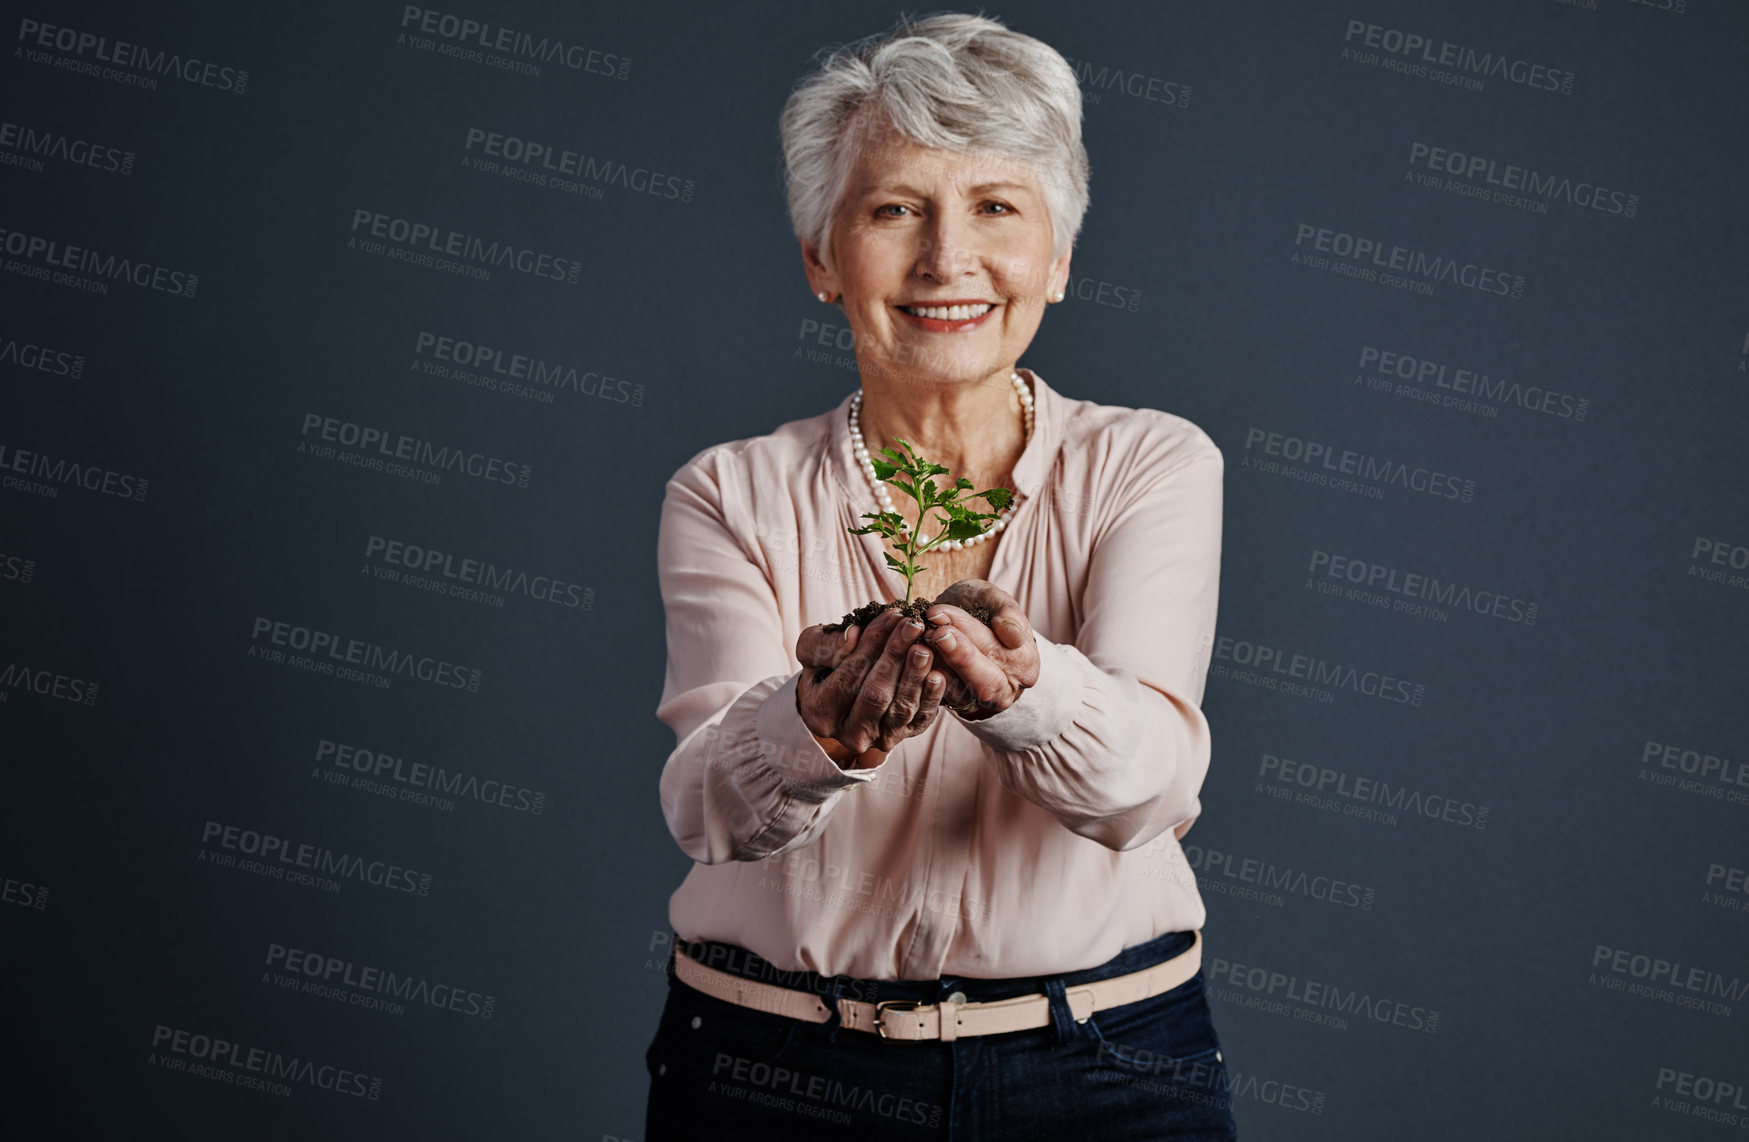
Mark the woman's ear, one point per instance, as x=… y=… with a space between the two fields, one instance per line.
x=1059 y=283
x=821 y=278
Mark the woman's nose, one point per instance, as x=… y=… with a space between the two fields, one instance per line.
x=943 y=252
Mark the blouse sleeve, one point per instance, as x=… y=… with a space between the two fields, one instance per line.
x=1111 y=739
x=746 y=779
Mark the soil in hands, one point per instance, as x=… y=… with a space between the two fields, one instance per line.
x=915 y=609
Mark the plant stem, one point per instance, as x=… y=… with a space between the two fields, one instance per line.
x=906 y=540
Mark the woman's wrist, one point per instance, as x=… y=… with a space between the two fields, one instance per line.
x=840 y=753
x=842 y=756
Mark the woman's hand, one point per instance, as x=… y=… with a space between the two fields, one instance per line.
x=880 y=691
x=992 y=664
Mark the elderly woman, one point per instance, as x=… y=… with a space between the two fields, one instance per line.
x=905 y=923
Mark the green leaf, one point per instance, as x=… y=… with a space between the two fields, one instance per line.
x=962 y=522
x=998 y=498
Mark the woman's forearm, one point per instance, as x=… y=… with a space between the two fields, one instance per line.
x=1114 y=759
x=754 y=781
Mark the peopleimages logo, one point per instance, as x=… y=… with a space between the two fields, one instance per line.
x=420 y=781
x=813 y=1096
x=1268 y=877
x=1343 y=469
x=1719 y=561
x=1348 y=795
x=249 y=850
x=853 y=889
x=1277 y=669
x=1403 y=267
x=45 y=683
x=134 y=64
x=1455 y=387
x=323 y=652
x=362 y=985
x=1695 y=771
x=79 y=267
x=1726 y=887
x=435 y=247
x=1098 y=79
x=23 y=894
x=544 y=164
x=47 y=476
x=1702 y=1096
x=1446 y=62
x=1315 y=1001
x=474 y=577
x=1667 y=981
x=1506 y=177
x=477 y=41
x=1414 y=589
x=208 y=1056
x=496 y=368
x=16 y=569
x=27 y=354
x=380 y=450
x=27 y=147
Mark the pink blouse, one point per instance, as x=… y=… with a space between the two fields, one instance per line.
x=1043 y=839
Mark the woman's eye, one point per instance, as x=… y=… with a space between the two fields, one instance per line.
x=999 y=207
x=895 y=209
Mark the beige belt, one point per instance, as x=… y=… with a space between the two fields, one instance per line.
x=947 y=1020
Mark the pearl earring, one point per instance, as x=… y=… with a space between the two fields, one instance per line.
x=821 y=295
x=1058 y=296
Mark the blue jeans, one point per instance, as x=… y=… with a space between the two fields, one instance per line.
x=1146 y=1070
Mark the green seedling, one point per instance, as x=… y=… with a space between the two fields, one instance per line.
x=912 y=477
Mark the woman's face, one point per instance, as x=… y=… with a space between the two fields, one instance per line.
x=919 y=231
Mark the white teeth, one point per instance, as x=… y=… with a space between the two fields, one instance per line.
x=949 y=312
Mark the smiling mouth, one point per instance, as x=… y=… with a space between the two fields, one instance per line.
x=949 y=312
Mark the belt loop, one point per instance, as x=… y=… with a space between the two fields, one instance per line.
x=834 y=1017
x=1062 y=1019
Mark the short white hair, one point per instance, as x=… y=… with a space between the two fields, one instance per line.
x=951 y=82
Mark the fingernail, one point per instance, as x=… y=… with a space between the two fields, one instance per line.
x=919 y=656
x=946 y=640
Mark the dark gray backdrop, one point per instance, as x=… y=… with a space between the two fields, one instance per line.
x=1458 y=289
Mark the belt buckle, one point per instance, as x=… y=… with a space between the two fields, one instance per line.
x=884 y=1005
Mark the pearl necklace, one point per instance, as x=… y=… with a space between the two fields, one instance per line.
x=860 y=449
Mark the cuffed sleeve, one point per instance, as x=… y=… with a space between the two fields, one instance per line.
x=1111 y=739
x=1041 y=713
x=746 y=779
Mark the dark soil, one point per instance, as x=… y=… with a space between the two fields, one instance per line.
x=915 y=609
